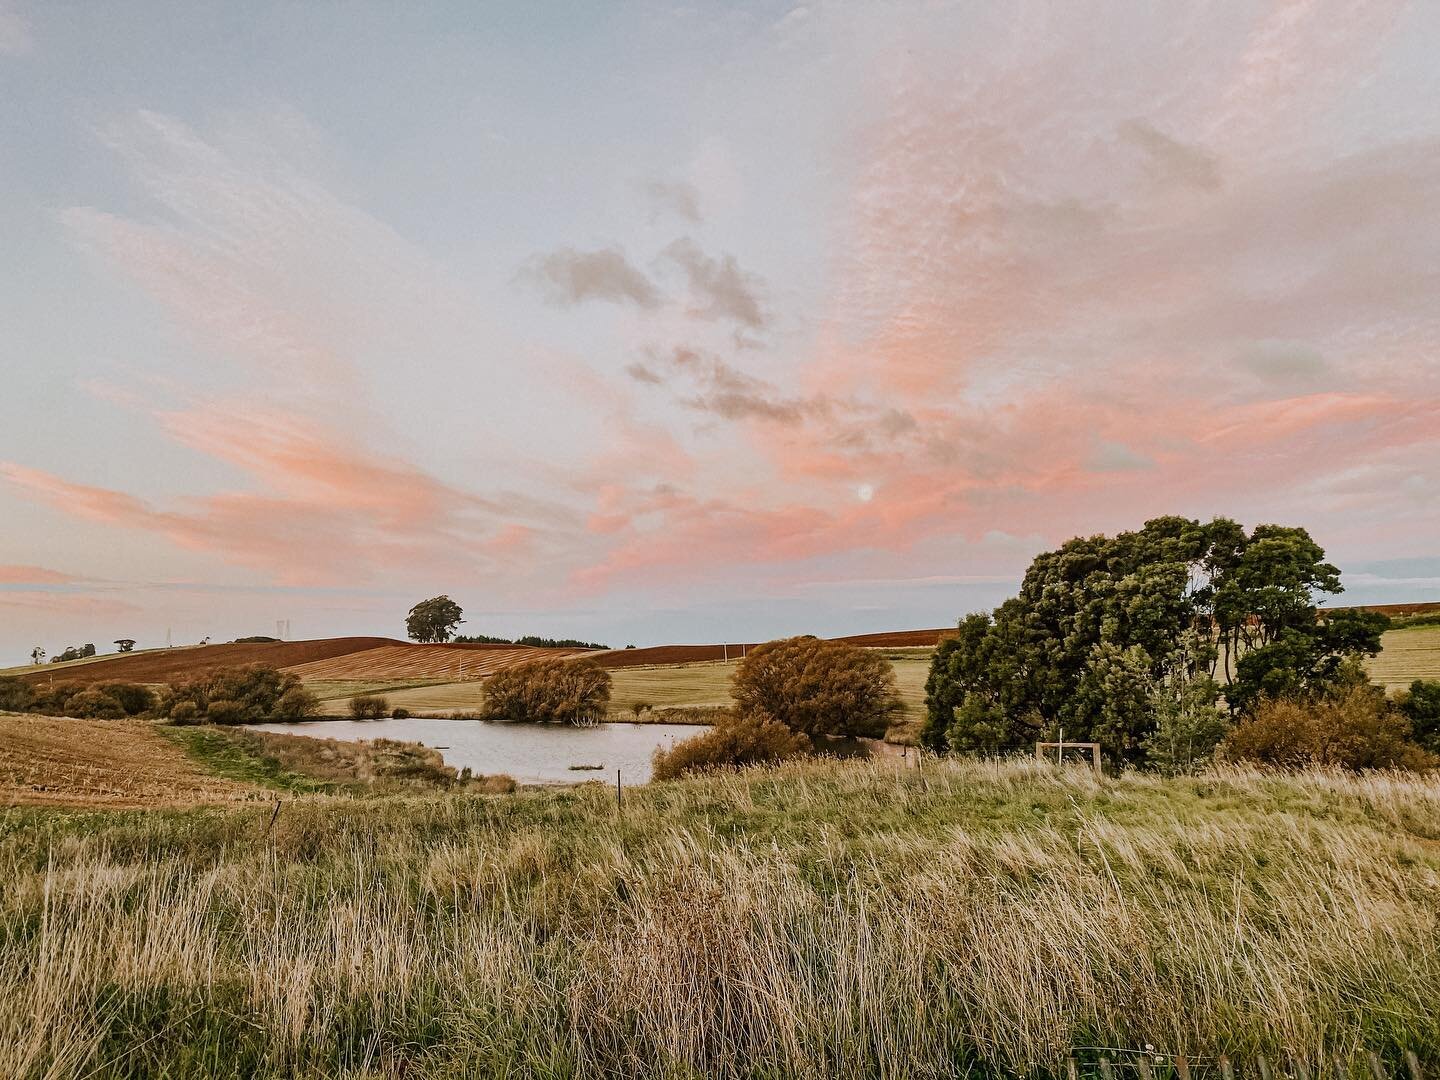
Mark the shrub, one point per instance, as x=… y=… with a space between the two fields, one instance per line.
x=184 y=712
x=818 y=687
x=549 y=691
x=225 y=711
x=245 y=695
x=15 y=695
x=1421 y=706
x=735 y=741
x=297 y=703
x=54 y=700
x=498 y=784
x=368 y=707
x=400 y=713
x=1354 y=729
x=94 y=704
x=132 y=697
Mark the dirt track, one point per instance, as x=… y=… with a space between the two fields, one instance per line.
x=59 y=761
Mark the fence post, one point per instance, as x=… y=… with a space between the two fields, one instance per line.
x=1072 y=1071
x=1147 y=1072
x=617 y=790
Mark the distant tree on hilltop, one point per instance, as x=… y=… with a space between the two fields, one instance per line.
x=434 y=619
x=126 y=644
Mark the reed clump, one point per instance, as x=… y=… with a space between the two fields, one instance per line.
x=817 y=919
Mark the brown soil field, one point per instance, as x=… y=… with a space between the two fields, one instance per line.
x=395 y=660
x=60 y=761
x=901 y=638
x=162 y=665
x=1399 y=610
x=691 y=654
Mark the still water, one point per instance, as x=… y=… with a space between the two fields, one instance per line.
x=531 y=753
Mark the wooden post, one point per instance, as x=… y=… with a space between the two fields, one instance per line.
x=617 y=789
x=1147 y=1072
x=1072 y=1072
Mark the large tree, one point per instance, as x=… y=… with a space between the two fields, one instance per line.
x=434 y=619
x=1091 y=643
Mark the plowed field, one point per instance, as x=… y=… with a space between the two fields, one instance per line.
x=162 y=665
x=420 y=662
x=58 y=761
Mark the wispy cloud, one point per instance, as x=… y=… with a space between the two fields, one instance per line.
x=719 y=289
x=676 y=197
x=568 y=276
x=33 y=575
x=288 y=285
x=1171 y=161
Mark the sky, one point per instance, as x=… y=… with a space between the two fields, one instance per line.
x=646 y=322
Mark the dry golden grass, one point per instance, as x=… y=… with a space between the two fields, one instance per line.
x=818 y=920
x=58 y=761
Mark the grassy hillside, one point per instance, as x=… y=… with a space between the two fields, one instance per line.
x=824 y=920
x=702 y=683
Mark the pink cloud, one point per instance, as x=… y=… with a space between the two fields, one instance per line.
x=33 y=575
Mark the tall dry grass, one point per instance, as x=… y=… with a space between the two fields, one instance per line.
x=818 y=920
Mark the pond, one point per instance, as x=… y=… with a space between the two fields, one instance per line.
x=531 y=753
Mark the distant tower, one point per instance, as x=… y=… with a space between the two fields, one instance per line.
x=282 y=629
x=168 y=644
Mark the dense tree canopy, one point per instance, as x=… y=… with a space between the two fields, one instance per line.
x=434 y=619
x=1106 y=629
